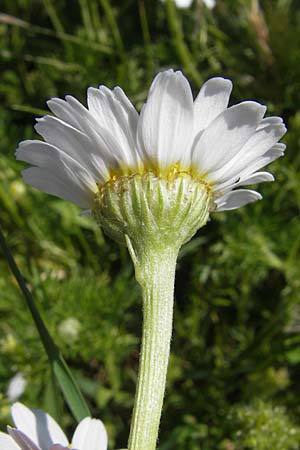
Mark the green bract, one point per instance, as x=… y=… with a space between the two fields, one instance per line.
x=152 y=211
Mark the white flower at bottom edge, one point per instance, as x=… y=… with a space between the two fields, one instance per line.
x=85 y=148
x=36 y=430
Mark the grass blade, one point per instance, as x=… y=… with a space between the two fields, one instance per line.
x=60 y=368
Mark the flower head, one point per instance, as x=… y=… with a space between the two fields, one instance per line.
x=36 y=430
x=88 y=150
x=85 y=148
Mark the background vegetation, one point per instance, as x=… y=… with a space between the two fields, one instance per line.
x=234 y=374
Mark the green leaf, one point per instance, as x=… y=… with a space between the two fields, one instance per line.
x=60 y=368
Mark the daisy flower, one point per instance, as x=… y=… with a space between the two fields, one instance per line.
x=151 y=180
x=36 y=430
x=86 y=148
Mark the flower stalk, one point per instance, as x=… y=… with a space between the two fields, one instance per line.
x=155 y=271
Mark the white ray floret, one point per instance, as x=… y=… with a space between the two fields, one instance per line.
x=84 y=148
x=36 y=430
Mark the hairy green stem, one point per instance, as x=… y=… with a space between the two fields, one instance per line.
x=155 y=271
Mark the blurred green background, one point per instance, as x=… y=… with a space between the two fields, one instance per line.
x=234 y=377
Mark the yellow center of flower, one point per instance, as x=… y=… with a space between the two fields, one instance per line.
x=168 y=174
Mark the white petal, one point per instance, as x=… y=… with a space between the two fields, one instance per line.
x=42 y=428
x=212 y=99
x=128 y=109
x=271 y=155
x=90 y=434
x=88 y=150
x=118 y=117
x=7 y=442
x=70 y=111
x=254 y=178
x=22 y=439
x=257 y=177
x=270 y=121
x=281 y=147
x=64 y=136
x=166 y=122
x=258 y=144
x=110 y=124
x=52 y=184
x=226 y=135
x=41 y=154
x=93 y=168
x=262 y=140
x=71 y=180
x=236 y=199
